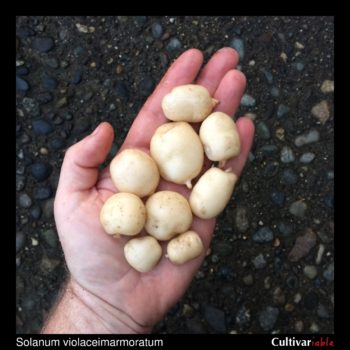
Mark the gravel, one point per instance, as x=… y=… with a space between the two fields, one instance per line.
x=298 y=208
x=263 y=235
x=248 y=101
x=268 y=317
x=307 y=138
x=24 y=200
x=43 y=44
x=302 y=246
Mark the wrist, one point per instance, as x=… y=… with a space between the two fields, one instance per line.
x=80 y=311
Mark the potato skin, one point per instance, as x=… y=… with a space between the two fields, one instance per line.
x=143 y=253
x=220 y=137
x=185 y=247
x=168 y=214
x=178 y=152
x=123 y=213
x=190 y=103
x=134 y=171
x=212 y=192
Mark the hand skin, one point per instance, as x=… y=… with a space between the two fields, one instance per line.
x=103 y=293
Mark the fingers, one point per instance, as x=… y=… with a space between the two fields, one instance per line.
x=230 y=92
x=183 y=71
x=80 y=165
x=223 y=60
x=246 y=131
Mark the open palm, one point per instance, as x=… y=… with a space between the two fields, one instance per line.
x=96 y=260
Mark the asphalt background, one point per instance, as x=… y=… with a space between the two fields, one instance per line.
x=271 y=265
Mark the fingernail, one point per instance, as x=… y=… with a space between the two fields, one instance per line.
x=96 y=130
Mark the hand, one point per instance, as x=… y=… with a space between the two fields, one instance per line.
x=100 y=275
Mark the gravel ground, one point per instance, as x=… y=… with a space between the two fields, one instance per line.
x=270 y=268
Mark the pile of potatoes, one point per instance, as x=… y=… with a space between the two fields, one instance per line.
x=176 y=155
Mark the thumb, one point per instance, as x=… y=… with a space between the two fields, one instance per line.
x=79 y=170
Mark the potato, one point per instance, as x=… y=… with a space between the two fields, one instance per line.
x=185 y=247
x=134 y=171
x=123 y=213
x=212 y=192
x=189 y=103
x=178 y=152
x=168 y=214
x=220 y=137
x=142 y=253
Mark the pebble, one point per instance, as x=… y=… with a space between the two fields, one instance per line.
x=278 y=198
x=282 y=110
x=259 y=261
x=194 y=326
x=173 y=45
x=31 y=106
x=156 y=30
x=44 y=151
x=48 y=265
x=35 y=242
x=311 y=300
x=289 y=177
x=51 y=62
x=268 y=75
x=50 y=237
x=319 y=255
x=243 y=316
x=299 y=326
x=62 y=102
x=48 y=209
x=309 y=137
x=241 y=219
x=82 y=28
x=299 y=66
x=321 y=111
x=287 y=155
x=25 y=32
x=22 y=71
x=310 y=271
x=43 y=192
x=327 y=86
x=285 y=229
x=302 y=246
x=226 y=273
x=248 y=280
x=322 y=312
x=271 y=169
x=314 y=328
x=44 y=98
x=24 y=200
x=36 y=213
x=215 y=318
x=146 y=85
x=49 y=84
x=42 y=127
x=43 y=44
x=275 y=92
x=40 y=171
x=20 y=241
x=248 y=101
x=278 y=296
x=76 y=76
x=263 y=131
x=328 y=273
x=57 y=144
x=122 y=90
x=20 y=182
x=238 y=45
x=307 y=158
x=292 y=282
x=263 y=235
x=268 y=317
x=268 y=150
x=298 y=45
x=297 y=298
x=298 y=208
x=21 y=84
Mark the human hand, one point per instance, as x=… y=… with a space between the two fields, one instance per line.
x=100 y=275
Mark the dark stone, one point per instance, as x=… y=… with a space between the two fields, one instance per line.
x=268 y=318
x=44 y=98
x=226 y=273
x=21 y=84
x=292 y=282
x=278 y=198
x=82 y=125
x=268 y=150
x=20 y=182
x=20 y=241
x=259 y=261
x=57 y=143
x=243 y=316
x=76 y=76
x=263 y=235
x=223 y=248
x=43 y=192
x=43 y=44
x=36 y=213
x=41 y=171
x=122 y=90
x=285 y=229
x=302 y=246
x=289 y=177
x=282 y=110
x=215 y=318
x=271 y=169
x=25 y=201
x=311 y=300
x=173 y=45
x=146 y=85
x=42 y=127
x=49 y=84
x=157 y=30
x=25 y=32
x=22 y=71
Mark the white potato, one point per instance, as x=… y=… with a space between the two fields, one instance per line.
x=178 y=152
x=184 y=247
x=220 y=137
x=189 y=103
x=168 y=214
x=134 y=171
x=142 y=253
x=212 y=192
x=123 y=213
